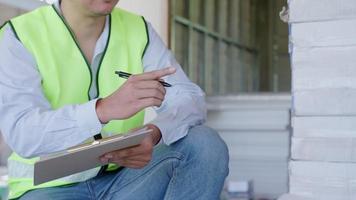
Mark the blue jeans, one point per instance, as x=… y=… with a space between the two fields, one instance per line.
x=193 y=168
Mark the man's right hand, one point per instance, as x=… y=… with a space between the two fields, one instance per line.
x=137 y=93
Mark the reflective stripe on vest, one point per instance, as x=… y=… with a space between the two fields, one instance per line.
x=66 y=75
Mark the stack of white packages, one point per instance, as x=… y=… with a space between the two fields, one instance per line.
x=323 y=54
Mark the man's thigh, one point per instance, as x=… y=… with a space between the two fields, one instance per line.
x=150 y=182
x=146 y=183
x=73 y=192
x=192 y=168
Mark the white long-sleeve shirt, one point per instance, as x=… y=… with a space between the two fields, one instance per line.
x=32 y=128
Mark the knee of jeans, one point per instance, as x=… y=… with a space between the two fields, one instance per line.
x=206 y=146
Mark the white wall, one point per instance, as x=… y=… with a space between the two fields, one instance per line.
x=155 y=11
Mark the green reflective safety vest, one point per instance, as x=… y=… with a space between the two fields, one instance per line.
x=67 y=77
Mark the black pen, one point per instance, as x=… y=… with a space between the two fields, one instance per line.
x=126 y=75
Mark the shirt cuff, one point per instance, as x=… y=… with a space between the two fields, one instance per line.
x=87 y=118
x=170 y=133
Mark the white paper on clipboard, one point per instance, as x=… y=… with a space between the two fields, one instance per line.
x=83 y=157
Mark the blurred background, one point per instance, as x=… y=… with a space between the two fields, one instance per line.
x=237 y=51
x=231 y=46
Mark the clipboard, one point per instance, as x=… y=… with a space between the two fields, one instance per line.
x=83 y=157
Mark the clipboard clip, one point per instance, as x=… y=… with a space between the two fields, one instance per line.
x=83 y=146
x=106 y=140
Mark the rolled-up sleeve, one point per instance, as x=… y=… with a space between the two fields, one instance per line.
x=184 y=104
x=28 y=123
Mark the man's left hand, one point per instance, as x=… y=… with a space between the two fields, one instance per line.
x=138 y=156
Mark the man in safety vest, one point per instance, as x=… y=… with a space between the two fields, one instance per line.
x=58 y=89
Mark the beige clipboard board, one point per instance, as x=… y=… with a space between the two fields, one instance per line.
x=83 y=157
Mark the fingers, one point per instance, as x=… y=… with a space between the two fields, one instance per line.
x=155 y=75
x=144 y=158
x=150 y=93
x=151 y=85
x=133 y=157
x=144 y=149
x=148 y=102
x=124 y=154
x=130 y=163
x=150 y=89
x=134 y=164
x=138 y=161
